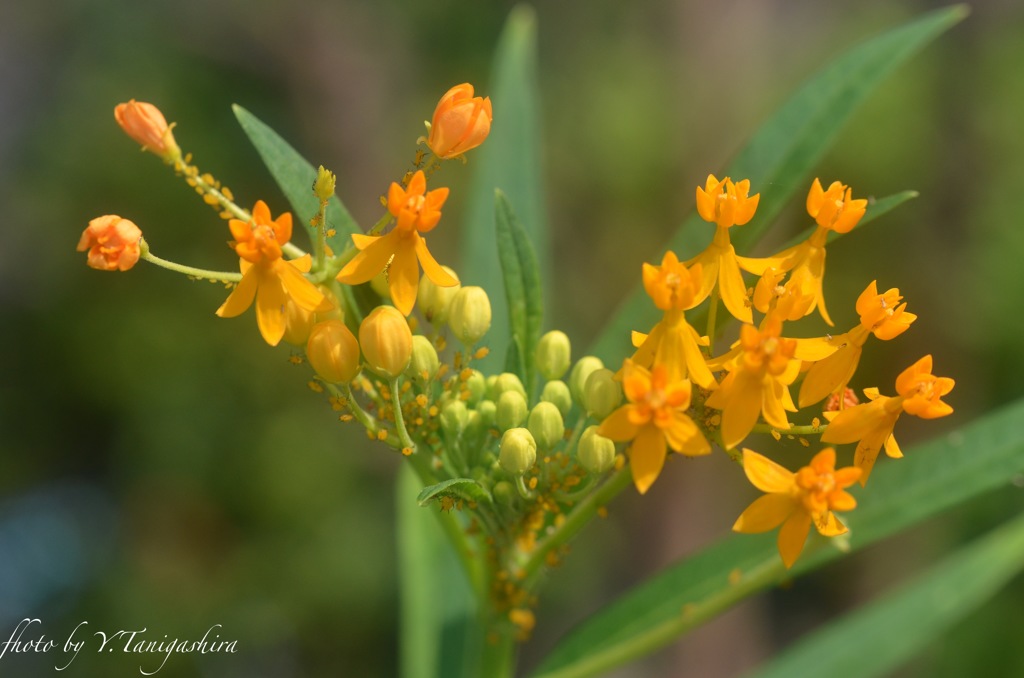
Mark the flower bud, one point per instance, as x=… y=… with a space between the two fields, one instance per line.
x=146 y=125
x=333 y=352
x=386 y=341
x=473 y=437
x=454 y=418
x=424 y=362
x=504 y=493
x=518 y=451
x=379 y=284
x=601 y=393
x=581 y=371
x=488 y=413
x=323 y=187
x=113 y=243
x=461 y=122
x=469 y=314
x=511 y=410
x=435 y=300
x=557 y=393
x=297 y=323
x=546 y=425
x=506 y=381
x=595 y=452
x=553 y=355
x=476 y=386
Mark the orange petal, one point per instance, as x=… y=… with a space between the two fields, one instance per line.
x=647 y=457
x=404 y=275
x=765 y=474
x=241 y=297
x=841 y=500
x=792 y=536
x=766 y=513
x=829 y=525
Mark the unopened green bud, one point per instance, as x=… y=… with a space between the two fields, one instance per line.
x=473 y=434
x=595 y=452
x=454 y=418
x=557 y=393
x=488 y=412
x=581 y=371
x=323 y=187
x=553 y=355
x=507 y=381
x=469 y=314
x=601 y=394
x=518 y=451
x=504 y=493
x=435 y=300
x=492 y=387
x=476 y=385
x=511 y=410
x=546 y=425
x=424 y=361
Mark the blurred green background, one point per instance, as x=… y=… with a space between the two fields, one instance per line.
x=165 y=469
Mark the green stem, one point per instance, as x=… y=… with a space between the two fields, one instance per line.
x=321 y=235
x=574 y=522
x=219 y=276
x=576 y=433
x=712 y=319
x=396 y=405
x=497 y=660
x=222 y=199
x=524 y=491
x=808 y=430
x=381 y=224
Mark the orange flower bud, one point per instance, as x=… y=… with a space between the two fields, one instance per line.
x=386 y=340
x=146 y=124
x=461 y=122
x=113 y=243
x=333 y=352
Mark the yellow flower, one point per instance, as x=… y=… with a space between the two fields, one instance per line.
x=757 y=383
x=655 y=419
x=146 y=125
x=788 y=301
x=461 y=122
x=417 y=212
x=871 y=423
x=833 y=210
x=268 y=279
x=795 y=500
x=112 y=242
x=880 y=314
x=724 y=204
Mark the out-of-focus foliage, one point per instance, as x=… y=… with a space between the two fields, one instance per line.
x=163 y=468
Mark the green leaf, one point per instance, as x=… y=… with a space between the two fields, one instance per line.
x=456 y=488
x=932 y=478
x=438 y=617
x=877 y=638
x=295 y=176
x=523 y=292
x=781 y=155
x=509 y=160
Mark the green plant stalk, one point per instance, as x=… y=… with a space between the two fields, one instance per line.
x=216 y=276
x=497 y=659
x=396 y=405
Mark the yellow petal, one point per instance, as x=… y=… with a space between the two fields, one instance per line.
x=742 y=409
x=304 y=293
x=892 y=448
x=434 y=271
x=792 y=536
x=404 y=275
x=772 y=406
x=370 y=261
x=766 y=513
x=732 y=288
x=765 y=474
x=684 y=436
x=647 y=457
x=362 y=241
x=829 y=525
x=697 y=368
x=270 y=301
x=853 y=423
x=617 y=425
x=241 y=297
x=637 y=338
x=829 y=375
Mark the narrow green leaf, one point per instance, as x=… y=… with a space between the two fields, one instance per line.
x=933 y=477
x=295 y=176
x=879 y=637
x=779 y=158
x=438 y=627
x=523 y=293
x=454 y=488
x=509 y=160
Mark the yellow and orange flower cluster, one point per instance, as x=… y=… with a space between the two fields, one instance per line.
x=670 y=381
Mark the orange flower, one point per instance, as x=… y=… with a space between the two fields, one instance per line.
x=835 y=209
x=655 y=419
x=880 y=314
x=146 y=124
x=417 y=212
x=461 y=122
x=757 y=384
x=113 y=243
x=725 y=204
x=268 y=279
x=795 y=500
x=871 y=423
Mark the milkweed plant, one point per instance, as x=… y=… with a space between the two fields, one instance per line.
x=515 y=461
